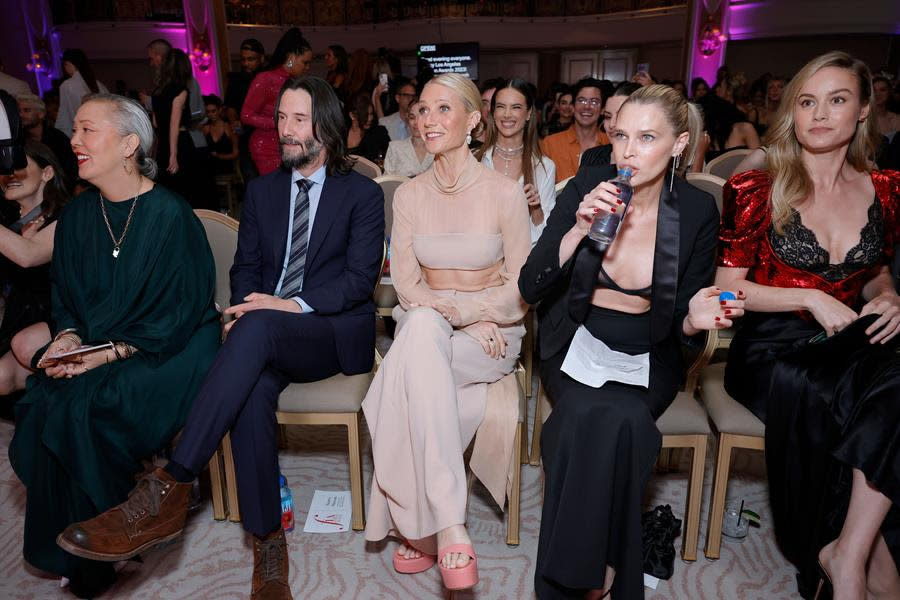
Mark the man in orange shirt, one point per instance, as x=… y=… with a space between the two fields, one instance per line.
x=565 y=148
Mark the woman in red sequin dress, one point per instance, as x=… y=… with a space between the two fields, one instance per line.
x=808 y=241
x=292 y=58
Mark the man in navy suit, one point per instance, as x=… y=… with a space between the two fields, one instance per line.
x=309 y=250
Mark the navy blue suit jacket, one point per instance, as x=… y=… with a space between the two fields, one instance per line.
x=343 y=258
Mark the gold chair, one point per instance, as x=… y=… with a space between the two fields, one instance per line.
x=737 y=428
x=221 y=231
x=366 y=167
x=385 y=295
x=725 y=164
x=709 y=183
x=684 y=425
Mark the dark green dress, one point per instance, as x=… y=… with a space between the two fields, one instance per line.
x=79 y=442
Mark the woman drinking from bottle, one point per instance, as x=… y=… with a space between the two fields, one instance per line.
x=623 y=313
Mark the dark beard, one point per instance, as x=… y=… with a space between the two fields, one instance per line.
x=310 y=149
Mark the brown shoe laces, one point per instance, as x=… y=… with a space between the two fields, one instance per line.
x=271 y=558
x=145 y=498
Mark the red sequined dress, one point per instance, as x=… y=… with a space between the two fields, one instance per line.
x=827 y=410
x=259 y=112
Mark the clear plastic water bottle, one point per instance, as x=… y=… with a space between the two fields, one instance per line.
x=287 y=505
x=606 y=224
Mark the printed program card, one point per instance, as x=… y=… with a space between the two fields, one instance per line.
x=329 y=512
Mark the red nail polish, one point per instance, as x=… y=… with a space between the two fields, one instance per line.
x=722 y=302
x=596 y=210
x=619 y=201
x=718 y=319
x=727 y=312
x=613 y=209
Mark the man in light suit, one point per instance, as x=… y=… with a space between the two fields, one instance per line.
x=309 y=250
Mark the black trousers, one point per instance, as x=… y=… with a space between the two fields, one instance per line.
x=598 y=446
x=264 y=352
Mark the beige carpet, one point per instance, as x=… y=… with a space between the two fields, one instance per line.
x=212 y=560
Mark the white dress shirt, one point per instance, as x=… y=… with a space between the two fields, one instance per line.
x=317 y=181
x=71 y=92
x=544 y=181
x=396 y=125
x=12 y=86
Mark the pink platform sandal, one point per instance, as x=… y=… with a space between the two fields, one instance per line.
x=411 y=566
x=459 y=578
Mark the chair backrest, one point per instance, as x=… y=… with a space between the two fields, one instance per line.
x=222 y=233
x=389 y=185
x=708 y=183
x=366 y=167
x=723 y=166
x=561 y=185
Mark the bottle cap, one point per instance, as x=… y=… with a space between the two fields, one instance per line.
x=726 y=296
x=625 y=171
x=282 y=481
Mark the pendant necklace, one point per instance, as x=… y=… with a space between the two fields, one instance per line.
x=508 y=154
x=117 y=244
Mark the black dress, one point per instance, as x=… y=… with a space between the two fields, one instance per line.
x=373 y=145
x=221 y=146
x=194 y=180
x=827 y=409
x=599 y=444
x=26 y=291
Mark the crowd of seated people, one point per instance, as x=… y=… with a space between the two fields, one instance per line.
x=479 y=234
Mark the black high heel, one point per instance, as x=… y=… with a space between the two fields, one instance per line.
x=824 y=591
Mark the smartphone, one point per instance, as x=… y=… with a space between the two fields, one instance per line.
x=383 y=78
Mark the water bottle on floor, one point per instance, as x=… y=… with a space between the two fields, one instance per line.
x=287 y=505
x=606 y=224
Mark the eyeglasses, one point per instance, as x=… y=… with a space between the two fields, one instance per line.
x=594 y=102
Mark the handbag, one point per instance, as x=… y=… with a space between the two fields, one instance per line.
x=659 y=528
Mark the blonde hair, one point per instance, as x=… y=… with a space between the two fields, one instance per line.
x=467 y=92
x=682 y=115
x=791 y=182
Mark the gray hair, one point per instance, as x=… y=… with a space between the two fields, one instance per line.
x=34 y=101
x=131 y=118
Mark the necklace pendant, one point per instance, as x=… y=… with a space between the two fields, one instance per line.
x=116 y=252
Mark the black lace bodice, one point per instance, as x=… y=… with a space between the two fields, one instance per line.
x=799 y=248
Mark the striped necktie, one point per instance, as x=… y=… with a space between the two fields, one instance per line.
x=293 y=275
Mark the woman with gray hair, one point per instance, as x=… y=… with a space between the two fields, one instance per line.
x=132 y=280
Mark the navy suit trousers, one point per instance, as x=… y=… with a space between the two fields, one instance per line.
x=264 y=352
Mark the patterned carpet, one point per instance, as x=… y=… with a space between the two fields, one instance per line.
x=213 y=559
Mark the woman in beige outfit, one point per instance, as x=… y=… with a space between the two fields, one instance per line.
x=460 y=236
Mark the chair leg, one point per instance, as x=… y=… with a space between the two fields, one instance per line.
x=356 y=485
x=282 y=436
x=234 y=509
x=216 y=488
x=535 y=459
x=513 y=510
x=717 y=502
x=694 y=499
x=528 y=352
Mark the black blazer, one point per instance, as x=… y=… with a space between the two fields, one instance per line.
x=343 y=258
x=599 y=156
x=686 y=238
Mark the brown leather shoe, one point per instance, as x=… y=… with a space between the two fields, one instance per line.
x=270 y=568
x=154 y=513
